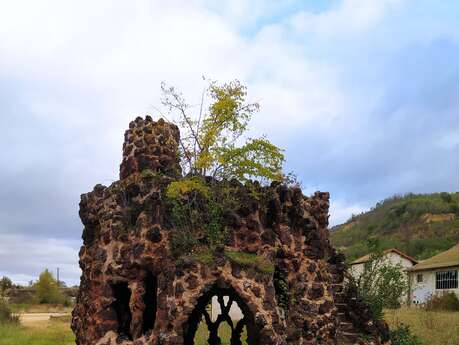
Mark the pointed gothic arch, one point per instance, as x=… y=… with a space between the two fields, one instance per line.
x=200 y=313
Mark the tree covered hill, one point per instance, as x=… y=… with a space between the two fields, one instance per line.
x=421 y=225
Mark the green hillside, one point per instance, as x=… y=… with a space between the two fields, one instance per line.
x=421 y=225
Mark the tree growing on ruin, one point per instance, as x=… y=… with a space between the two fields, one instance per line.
x=213 y=142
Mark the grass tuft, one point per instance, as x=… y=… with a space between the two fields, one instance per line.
x=260 y=263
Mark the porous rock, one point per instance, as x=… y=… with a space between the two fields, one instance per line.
x=133 y=290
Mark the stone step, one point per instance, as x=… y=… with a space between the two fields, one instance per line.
x=342 y=316
x=337 y=288
x=342 y=307
x=348 y=337
x=345 y=326
x=339 y=298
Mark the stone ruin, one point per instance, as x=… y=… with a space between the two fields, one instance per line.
x=134 y=291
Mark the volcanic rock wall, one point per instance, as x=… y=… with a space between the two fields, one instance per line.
x=133 y=290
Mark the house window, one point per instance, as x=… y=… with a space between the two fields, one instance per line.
x=446 y=280
x=419 y=278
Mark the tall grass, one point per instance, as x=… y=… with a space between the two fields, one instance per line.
x=57 y=333
x=432 y=327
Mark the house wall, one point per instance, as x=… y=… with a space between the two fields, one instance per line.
x=392 y=258
x=420 y=292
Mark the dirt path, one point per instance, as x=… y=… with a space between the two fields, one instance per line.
x=38 y=319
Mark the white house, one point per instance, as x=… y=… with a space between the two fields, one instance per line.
x=435 y=275
x=392 y=255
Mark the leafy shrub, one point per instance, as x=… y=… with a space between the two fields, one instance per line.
x=447 y=301
x=381 y=284
x=182 y=243
x=6 y=315
x=402 y=336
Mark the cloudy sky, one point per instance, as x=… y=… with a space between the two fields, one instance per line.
x=362 y=94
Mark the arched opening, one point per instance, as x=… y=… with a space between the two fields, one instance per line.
x=221 y=317
x=149 y=299
x=135 y=306
x=122 y=295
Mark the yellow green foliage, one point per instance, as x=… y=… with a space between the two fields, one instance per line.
x=177 y=189
x=212 y=142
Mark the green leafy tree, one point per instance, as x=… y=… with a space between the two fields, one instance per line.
x=382 y=284
x=48 y=289
x=5 y=285
x=213 y=143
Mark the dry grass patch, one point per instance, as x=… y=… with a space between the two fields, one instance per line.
x=431 y=327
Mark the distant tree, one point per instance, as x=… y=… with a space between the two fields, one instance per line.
x=446 y=197
x=5 y=285
x=382 y=284
x=48 y=289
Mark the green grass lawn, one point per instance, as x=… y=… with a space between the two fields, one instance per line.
x=59 y=333
x=224 y=332
x=56 y=333
x=432 y=328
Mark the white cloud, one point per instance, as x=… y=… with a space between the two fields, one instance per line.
x=341 y=211
x=23 y=258
x=350 y=17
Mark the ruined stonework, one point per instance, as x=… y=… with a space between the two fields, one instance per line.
x=134 y=291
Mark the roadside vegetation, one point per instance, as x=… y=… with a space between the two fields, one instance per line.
x=421 y=225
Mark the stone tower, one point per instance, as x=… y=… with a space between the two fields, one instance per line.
x=277 y=264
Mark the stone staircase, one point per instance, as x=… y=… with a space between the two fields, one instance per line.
x=346 y=333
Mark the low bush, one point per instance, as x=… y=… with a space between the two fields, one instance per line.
x=447 y=301
x=402 y=336
x=6 y=316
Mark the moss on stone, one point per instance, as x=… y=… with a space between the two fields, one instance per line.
x=205 y=257
x=260 y=263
